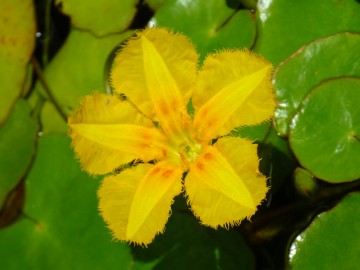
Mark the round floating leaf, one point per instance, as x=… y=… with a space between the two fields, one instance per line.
x=332 y=239
x=17 y=143
x=325 y=133
x=188 y=245
x=285 y=26
x=211 y=25
x=102 y=17
x=65 y=230
x=333 y=56
x=17 y=40
x=78 y=68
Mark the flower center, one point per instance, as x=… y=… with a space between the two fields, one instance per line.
x=190 y=150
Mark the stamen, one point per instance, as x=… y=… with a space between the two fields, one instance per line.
x=190 y=150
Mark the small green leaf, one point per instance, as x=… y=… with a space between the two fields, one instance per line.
x=305 y=183
x=102 y=17
x=325 y=133
x=332 y=239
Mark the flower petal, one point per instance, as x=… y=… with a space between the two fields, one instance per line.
x=223 y=185
x=162 y=63
x=233 y=89
x=136 y=203
x=107 y=132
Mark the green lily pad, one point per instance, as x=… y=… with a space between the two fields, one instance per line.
x=100 y=17
x=333 y=56
x=188 y=245
x=65 y=230
x=325 y=133
x=78 y=68
x=17 y=146
x=332 y=239
x=285 y=26
x=211 y=25
x=17 y=40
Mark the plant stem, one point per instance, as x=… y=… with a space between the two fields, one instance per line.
x=46 y=87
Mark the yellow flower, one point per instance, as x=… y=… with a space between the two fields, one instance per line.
x=157 y=72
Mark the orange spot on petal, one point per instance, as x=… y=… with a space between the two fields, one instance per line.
x=208 y=156
x=143 y=146
x=175 y=105
x=167 y=173
x=203 y=112
x=200 y=166
x=156 y=170
x=212 y=122
x=164 y=154
x=145 y=136
x=164 y=108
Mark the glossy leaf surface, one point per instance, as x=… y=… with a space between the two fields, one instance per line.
x=333 y=56
x=332 y=239
x=324 y=134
